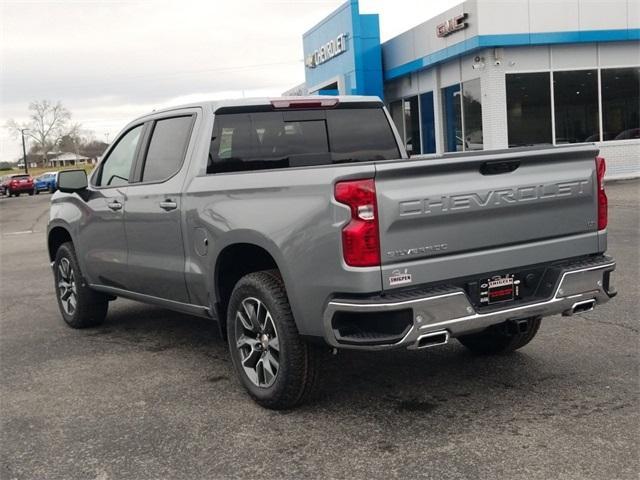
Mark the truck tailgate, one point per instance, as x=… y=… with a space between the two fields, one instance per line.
x=469 y=214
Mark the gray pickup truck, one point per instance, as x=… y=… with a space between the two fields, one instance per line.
x=301 y=225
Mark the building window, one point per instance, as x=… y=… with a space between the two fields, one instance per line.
x=427 y=118
x=462 y=121
x=395 y=108
x=452 y=120
x=406 y=116
x=412 y=126
x=575 y=98
x=472 y=115
x=620 y=103
x=528 y=108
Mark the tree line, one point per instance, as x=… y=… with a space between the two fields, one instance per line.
x=50 y=129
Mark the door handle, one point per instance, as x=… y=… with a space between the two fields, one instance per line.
x=115 y=205
x=168 y=205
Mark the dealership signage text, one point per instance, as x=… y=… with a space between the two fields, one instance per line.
x=452 y=25
x=327 y=51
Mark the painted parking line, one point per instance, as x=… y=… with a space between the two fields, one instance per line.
x=23 y=232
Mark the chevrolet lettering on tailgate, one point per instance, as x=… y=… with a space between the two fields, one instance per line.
x=490 y=198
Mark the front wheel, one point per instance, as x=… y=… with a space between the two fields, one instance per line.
x=277 y=367
x=31 y=192
x=37 y=192
x=500 y=339
x=80 y=306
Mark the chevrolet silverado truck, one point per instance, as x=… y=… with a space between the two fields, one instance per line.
x=302 y=227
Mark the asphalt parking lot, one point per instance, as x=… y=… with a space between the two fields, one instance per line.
x=151 y=394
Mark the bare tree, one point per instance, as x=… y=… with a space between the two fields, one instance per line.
x=48 y=122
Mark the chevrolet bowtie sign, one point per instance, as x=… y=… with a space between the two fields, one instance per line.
x=327 y=51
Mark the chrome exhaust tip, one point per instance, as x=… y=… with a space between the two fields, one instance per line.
x=432 y=339
x=581 y=307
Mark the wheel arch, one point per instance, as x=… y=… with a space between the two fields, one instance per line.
x=232 y=263
x=56 y=236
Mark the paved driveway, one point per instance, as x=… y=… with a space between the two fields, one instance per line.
x=150 y=394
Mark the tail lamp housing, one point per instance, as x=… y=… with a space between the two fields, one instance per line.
x=360 y=236
x=603 y=202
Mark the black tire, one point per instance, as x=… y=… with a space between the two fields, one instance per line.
x=37 y=192
x=90 y=307
x=296 y=379
x=31 y=192
x=499 y=340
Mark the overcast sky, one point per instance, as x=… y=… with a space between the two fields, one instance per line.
x=110 y=61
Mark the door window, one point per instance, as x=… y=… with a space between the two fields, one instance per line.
x=167 y=148
x=116 y=168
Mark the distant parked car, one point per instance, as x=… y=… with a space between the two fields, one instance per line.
x=629 y=134
x=47 y=182
x=3 y=185
x=18 y=184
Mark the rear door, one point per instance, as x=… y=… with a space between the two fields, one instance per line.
x=153 y=219
x=447 y=217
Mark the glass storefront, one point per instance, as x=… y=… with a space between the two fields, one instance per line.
x=427 y=118
x=620 y=103
x=542 y=108
x=472 y=115
x=406 y=115
x=462 y=121
x=412 y=126
x=576 y=106
x=528 y=108
x=452 y=118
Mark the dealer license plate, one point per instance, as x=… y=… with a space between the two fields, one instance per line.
x=500 y=288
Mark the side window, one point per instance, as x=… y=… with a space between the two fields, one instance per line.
x=167 y=148
x=116 y=168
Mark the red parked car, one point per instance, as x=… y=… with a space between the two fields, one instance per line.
x=17 y=184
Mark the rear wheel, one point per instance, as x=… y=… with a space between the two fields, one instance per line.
x=37 y=192
x=504 y=338
x=31 y=192
x=80 y=306
x=277 y=367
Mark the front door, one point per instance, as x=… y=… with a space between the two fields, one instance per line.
x=104 y=239
x=152 y=213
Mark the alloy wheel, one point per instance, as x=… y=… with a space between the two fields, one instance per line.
x=67 y=286
x=257 y=342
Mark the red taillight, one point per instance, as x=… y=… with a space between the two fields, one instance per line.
x=603 y=203
x=360 y=238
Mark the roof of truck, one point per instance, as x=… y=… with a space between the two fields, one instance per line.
x=246 y=102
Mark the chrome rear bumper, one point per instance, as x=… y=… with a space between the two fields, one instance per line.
x=578 y=290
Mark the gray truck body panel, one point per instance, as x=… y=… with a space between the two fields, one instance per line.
x=439 y=219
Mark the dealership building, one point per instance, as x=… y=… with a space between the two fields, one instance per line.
x=490 y=74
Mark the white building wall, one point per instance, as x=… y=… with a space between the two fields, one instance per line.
x=623 y=158
x=494 y=102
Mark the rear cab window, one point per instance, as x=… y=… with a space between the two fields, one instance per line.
x=266 y=138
